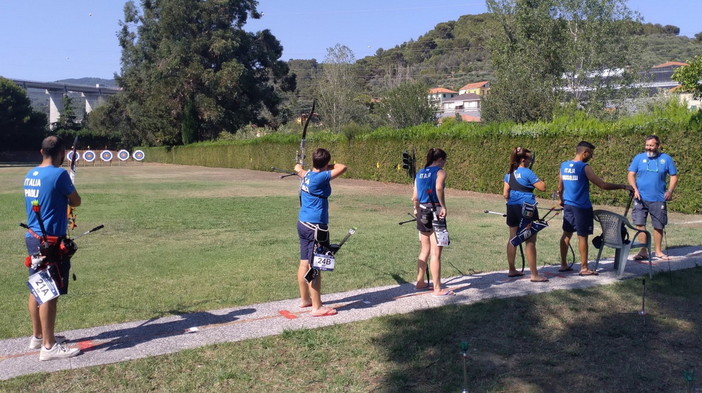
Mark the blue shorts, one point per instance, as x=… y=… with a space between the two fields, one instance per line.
x=59 y=275
x=307 y=240
x=578 y=220
x=657 y=210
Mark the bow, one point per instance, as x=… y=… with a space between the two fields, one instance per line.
x=300 y=154
x=72 y=174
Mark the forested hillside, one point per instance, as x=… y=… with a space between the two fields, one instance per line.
x=454 y=54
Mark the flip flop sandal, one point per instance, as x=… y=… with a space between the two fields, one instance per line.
x=447 y=293
x=588 y=273
x=639 y=257
x=328 y=312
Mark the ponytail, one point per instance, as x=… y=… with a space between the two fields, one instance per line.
x=434 y=154
x=515 y=159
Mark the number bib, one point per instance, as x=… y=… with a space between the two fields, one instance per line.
x=42 y=286
x=324 y=262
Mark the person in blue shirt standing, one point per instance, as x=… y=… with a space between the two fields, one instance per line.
x=49 y=187
x=574 y=191
x=430 y=204
x=518 y=190
x=647 y=175
x=312 y=224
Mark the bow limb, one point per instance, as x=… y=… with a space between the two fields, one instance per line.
x=301 y=153
x=72 y=174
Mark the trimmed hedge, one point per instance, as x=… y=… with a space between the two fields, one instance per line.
x=478 y=155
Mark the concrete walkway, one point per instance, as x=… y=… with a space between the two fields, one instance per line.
x=139 y=339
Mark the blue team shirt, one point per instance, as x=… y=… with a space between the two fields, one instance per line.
x=51 y=186
x=425 y=181
x=316 y=187
x=651 y=175
x=527 y=178
x=576 y=186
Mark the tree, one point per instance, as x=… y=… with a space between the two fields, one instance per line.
x=189 y=66
x=306 y=73
x=337 y=87
x=20 y=127
x=67 y=119
x=407 y=105
x=698 y=36
x=690 y=77
x=670 y=29
x=545 y=52
x=526 y=61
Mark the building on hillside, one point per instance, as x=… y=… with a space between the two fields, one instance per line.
x=438 y=95
x=479 y=88
x=464 y=104
x=469 y=101
x=661 y=81
x=655 y=82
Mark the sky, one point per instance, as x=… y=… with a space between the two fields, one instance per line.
x=49 y=40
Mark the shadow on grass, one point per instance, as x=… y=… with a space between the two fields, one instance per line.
x=148 y=330
x=593 y=340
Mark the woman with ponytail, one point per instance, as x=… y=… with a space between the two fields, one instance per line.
x=429 y=204
x=518 y=191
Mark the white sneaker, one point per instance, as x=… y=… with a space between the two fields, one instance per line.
x=35 y=343
x=58 y=351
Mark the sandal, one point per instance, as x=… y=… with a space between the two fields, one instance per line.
x=588 y=273
x=324 y=312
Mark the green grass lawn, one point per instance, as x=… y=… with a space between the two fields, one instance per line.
x=186 y=239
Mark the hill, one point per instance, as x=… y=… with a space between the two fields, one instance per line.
x=454 y=53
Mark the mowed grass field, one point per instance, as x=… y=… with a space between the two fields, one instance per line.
x=183 y=239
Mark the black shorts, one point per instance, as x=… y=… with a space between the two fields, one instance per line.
x=60 y=275
x=425 y=216
x=514 y=215
x=578 y=220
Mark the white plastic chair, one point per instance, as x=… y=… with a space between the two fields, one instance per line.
x=615 y=235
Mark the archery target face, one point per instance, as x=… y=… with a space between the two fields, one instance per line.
x=89 y=156
x=123 y=155
x=69 y=156
x=106 y=155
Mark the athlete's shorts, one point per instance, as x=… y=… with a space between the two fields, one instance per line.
x=425 y=216
x=305 y=231
x=657 y=210
x=578 y=220
x=514 y=215
x=60 y=276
